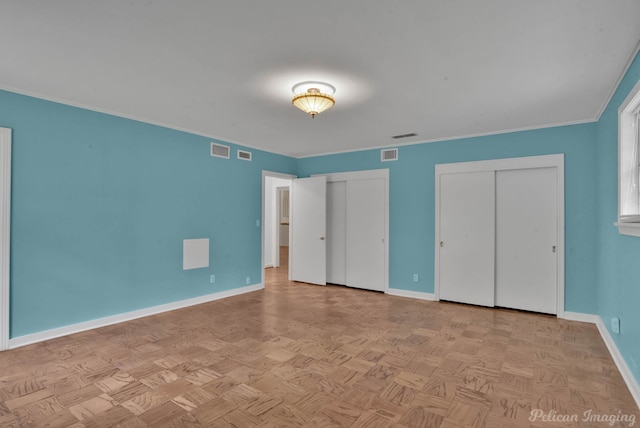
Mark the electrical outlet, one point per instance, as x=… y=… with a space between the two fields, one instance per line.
x=257 y=223
x=212 y=279
x=248 y=281
x=615 y=325
x=415 y=277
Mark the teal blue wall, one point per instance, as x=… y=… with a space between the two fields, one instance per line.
x=412 y=195
x=101 y=204
x=618 y=255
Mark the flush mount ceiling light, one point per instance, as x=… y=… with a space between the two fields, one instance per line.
x=313 y=97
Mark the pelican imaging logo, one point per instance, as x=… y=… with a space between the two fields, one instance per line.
x=587 y=416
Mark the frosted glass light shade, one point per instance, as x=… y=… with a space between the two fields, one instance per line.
x=310 y=98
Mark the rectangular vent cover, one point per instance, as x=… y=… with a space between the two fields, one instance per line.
x=244 y=155
x=388 y=155
x=220 y=151
x=411 y=134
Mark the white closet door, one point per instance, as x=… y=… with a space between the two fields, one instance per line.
x=366 y=234
x=337 y=232
x=308 y=257
x=526 y=239
x=467 y=237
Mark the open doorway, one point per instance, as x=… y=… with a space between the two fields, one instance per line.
x=282 y=226
x=275 y=221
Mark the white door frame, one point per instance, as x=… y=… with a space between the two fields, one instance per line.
x=266 y=174
x=545 y=161
x=5 y=229
x=366 y=175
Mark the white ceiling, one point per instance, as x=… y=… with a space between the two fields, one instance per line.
x=225 y=68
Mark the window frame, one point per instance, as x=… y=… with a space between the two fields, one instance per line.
x=629 y=163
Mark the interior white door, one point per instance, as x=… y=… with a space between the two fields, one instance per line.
x=308 y=253
x=526 y=239
x=337 y=232
x=467 y=237
x=366 y=234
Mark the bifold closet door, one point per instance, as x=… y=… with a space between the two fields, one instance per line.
x=467 y=237
x=526 y=239
x=366 y=229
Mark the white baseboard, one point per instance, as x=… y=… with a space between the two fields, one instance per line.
x=412 y=294
x=578 y=316
x=622 y=366
x=128 y=316
x=626 y=373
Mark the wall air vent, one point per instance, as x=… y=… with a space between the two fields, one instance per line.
x=220 y=150
x=388 y=155
x=412 y=134
x=244 y=155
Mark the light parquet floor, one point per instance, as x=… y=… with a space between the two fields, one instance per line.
x=303 y=355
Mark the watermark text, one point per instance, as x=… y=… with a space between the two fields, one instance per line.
x=587 y=416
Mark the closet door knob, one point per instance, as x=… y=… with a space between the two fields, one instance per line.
x=322 y=238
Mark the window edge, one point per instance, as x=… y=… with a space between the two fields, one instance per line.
x=629 y=229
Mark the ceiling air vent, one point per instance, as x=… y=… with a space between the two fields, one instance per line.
x=220 y=151
x=388 y=155
x=412 y=134
x=244 y=155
